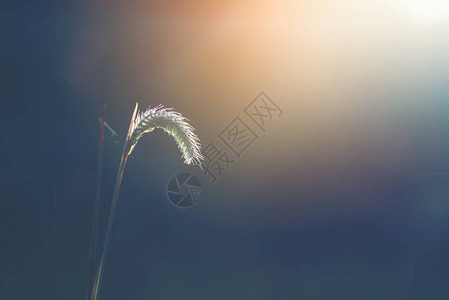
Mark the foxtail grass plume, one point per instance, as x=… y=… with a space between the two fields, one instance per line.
x=171 y=122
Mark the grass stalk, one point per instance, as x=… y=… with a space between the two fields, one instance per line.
x=96 y=214
x=118 y=183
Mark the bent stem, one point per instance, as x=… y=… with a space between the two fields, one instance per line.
x=121 y=169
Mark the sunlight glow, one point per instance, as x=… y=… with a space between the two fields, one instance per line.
x=429 y=9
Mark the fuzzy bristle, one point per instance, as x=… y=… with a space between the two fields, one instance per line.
x=174 y=124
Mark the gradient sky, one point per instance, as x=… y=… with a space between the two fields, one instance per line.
x=345 y=196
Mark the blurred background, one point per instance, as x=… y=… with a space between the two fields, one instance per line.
x=345 y=196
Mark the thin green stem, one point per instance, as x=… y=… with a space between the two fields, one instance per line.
x=118 y=182
x=97 y=282
x=96 y=215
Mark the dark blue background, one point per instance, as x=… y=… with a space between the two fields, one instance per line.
x=49 y=156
